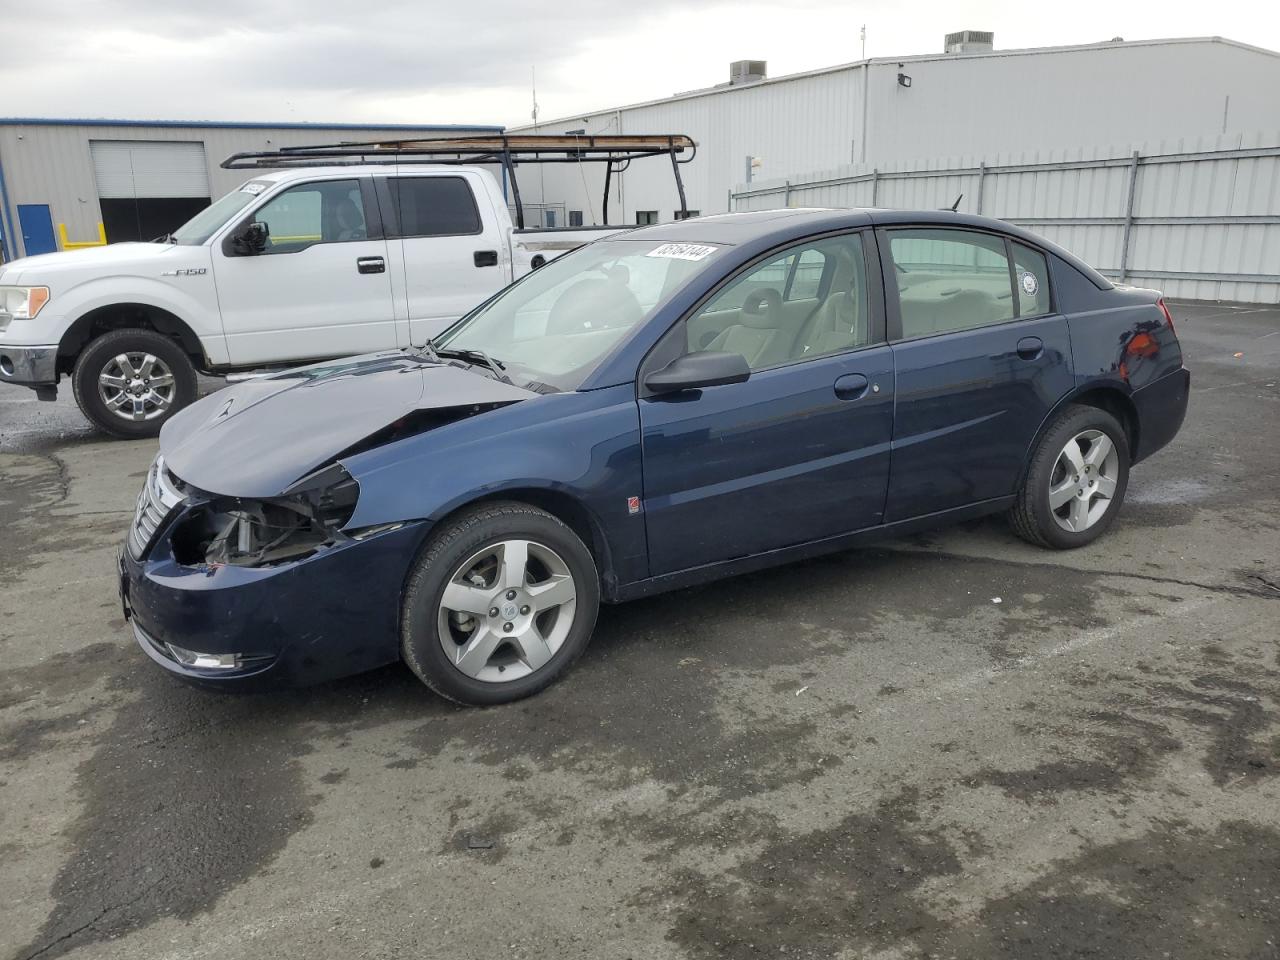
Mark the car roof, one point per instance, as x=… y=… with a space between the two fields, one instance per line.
x=789 y=223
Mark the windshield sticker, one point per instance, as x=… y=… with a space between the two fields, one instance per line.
x=1030 y=284
x=682 y=251
x=253 y=188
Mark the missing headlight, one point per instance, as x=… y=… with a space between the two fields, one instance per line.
x=259 y=533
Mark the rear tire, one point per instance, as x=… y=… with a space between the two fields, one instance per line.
x=1075 y=482
x=129 y=382
x=504 y=590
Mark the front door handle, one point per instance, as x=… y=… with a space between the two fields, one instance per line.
x=485 y=258
x=1030 y=348
x=371 y=265
x=851 y=386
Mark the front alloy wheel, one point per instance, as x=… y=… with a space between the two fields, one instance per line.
x=130 y=381
x=136 y=386
x=506 y=610
x=501 y=601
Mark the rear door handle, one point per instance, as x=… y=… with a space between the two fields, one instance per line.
x=371 y=264
x=851 y=386
x=485 y=258
x=1030 y=348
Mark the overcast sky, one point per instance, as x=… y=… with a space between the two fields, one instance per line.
x=427 y=61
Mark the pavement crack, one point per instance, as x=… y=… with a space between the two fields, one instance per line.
x=1272 y=593
x=62 y=479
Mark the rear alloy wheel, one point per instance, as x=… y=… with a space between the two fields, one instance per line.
x=501 y=602
x=129 y=382
x=1083 y=482
x=1076 y=481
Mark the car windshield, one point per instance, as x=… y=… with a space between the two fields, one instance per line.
x=555 y=325
x=206 y=223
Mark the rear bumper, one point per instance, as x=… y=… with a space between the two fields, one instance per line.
x=1161 y=406
x=29 y=366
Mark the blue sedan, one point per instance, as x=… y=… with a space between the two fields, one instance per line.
x=661 y=408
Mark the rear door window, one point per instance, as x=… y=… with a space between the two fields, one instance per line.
x=950 y=280
x=434 y=207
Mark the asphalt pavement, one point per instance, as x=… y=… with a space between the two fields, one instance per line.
x=954 y=745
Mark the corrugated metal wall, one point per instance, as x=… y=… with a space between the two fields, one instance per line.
x=999 y=103
x=52 y=164
x=1198 y=219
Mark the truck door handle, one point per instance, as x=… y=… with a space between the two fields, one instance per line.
x=1030 y=348
x=371 y=265
x=485 y=258
x=851 y=386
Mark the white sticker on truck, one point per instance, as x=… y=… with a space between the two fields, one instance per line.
x=682 y=251
x=253 y=188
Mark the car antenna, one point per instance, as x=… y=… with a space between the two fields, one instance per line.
x=955 y=206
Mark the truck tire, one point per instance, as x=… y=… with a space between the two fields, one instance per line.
x=129 y=382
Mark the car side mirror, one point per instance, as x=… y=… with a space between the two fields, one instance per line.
x=706 y=368
x=253 y=238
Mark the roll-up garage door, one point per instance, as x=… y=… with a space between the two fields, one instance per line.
x=148 y=188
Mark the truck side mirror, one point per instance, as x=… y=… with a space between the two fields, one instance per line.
x=252 y=239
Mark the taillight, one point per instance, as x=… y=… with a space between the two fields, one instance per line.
x=1168 y=317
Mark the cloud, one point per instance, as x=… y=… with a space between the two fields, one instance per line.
x=436 y=61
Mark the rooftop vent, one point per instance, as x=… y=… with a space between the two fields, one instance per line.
x=747 y=71
x=970 y=41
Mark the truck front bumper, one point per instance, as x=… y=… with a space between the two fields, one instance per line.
x=35 y=367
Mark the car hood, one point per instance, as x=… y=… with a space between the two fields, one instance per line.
x=257 y=438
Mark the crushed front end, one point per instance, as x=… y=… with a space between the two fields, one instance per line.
x=237 y=592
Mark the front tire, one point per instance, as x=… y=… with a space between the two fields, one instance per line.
x=1076 y=481
x=129 y=382
x=501 y=602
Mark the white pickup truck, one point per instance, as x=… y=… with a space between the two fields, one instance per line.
x=298 y=264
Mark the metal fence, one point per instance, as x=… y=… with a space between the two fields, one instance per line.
x=1200 y=222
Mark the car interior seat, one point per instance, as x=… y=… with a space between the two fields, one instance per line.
x=756 y=335
x=838 y=323
x=936 y=306
x=349 y=220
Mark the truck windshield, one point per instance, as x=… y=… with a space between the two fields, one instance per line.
x=206 y=223
x=555 y=325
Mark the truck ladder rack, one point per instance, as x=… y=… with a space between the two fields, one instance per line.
x=616 y=152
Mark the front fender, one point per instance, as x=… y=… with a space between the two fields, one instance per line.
x=195 y=307
x=582 y=446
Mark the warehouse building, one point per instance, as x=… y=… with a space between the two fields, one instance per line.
x=1157 y=161
x=66 y=184
x=971 y=100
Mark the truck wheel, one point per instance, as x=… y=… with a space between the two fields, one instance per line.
x=129 y=382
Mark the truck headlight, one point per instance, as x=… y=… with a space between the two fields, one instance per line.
x=21 y=303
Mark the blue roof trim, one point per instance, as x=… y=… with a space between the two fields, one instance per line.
x=243 y=125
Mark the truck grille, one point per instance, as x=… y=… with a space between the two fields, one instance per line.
x=161 y=493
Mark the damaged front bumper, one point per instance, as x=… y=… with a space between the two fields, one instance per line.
x=333 y=613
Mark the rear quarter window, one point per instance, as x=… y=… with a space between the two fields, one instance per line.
x=1031 y=272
